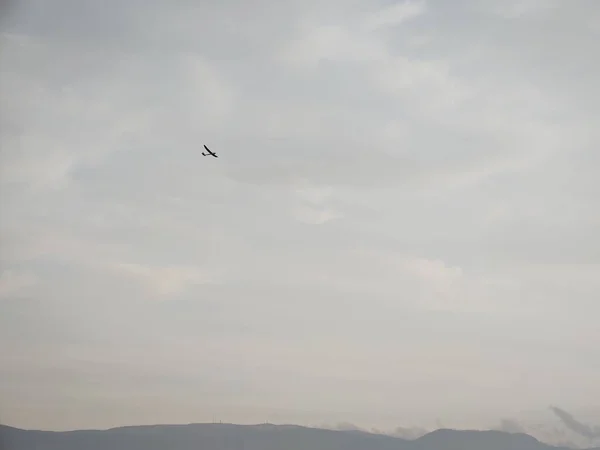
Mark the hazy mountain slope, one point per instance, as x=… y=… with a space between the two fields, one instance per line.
x=257 y=437
x=478 y=440
x=201 y=436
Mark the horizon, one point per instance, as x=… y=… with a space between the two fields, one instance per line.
x=401 y=226
x=571 y=434
x=351 y=427
x=344 y=427
x=403 y=435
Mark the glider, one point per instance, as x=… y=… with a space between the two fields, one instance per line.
x=209 y=153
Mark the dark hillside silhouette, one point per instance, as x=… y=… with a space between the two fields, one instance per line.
x=258 y=437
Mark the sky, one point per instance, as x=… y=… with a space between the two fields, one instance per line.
x=401 y=228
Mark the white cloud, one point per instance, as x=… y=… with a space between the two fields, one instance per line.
x=395 y=14
x=425 y=84
x=48 y=171
x=430 y=90
x=31 y=243
x=166 y=281
x=436 y=272
x=515 y=9
x=14 y=283
x=209 y=97
x=57 y=125
x=462 y=163
x=311 y=204
x=312 y=194
x=313 y=215
x=331 y=42
x=337 y=42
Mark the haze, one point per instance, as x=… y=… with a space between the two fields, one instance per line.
x=401 y=227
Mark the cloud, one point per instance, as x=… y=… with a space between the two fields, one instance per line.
x=210 y=98
x=409 y=433
x=347 y=426
x=165 y=281
x=93 y=108
x=330 y=42
x=516 y=9
x=511 y=426
x=342 y=44
x=394 y=178
x=429 y=92
x=395 y=14
x=7 y=7
x=314 y=216
x=311 y=204
x=435 y=271
x=576 y=426
x=110 y=115
x=14 y=283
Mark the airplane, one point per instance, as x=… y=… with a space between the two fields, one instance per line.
x=209 y=153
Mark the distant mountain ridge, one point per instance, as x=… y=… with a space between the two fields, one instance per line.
x=258 y=437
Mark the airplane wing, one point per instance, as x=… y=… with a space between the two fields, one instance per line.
x=209 y=152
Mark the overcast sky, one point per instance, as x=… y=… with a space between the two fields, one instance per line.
x=402 y=225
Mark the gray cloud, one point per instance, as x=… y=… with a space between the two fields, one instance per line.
x=347 y=426
x=576 y=426
x=409 y=432
x=511 y=426
x=394 y=180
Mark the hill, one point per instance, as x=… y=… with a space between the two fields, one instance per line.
x=257 y=437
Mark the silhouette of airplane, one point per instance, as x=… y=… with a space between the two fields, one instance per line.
x=209 y=153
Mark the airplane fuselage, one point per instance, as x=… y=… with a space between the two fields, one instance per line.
x=209 y=153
